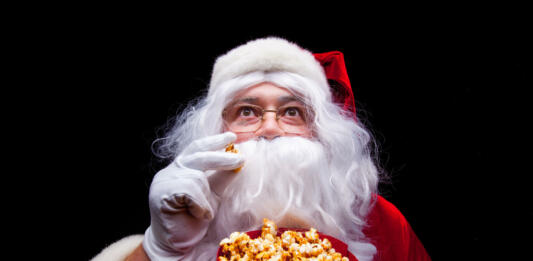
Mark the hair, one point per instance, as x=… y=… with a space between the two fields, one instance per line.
x=348 y=145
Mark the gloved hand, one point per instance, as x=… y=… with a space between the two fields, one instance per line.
x=180 y=199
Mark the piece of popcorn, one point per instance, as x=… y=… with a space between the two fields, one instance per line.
x=231 y=148
x=316 y=249
x=269 y=227
x=311 y=235
x=326 y=245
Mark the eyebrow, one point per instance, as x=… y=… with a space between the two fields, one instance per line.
x=287 y=99
x=253 y=100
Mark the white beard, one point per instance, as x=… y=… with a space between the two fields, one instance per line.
x=286 y=180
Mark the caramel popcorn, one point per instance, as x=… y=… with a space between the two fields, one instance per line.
x=231 y=148
x=290 y=246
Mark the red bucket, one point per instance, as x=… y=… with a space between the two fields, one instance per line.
x=340 y=247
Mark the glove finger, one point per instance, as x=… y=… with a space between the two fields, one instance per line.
x=210 y=143
x=175 y=203
x=183 y=202
x=213 y=160
x=198 y=211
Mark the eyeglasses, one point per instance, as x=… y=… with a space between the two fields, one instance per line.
x=293 y=119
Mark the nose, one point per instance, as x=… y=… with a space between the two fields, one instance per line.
x=269 y=127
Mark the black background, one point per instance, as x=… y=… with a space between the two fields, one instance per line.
x=444 y=98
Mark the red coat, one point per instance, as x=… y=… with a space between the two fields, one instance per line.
x=392 y=235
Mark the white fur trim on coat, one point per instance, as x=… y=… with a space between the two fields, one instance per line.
x=267 y=54
x=119 y=250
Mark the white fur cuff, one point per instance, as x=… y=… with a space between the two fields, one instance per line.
x=119 y=250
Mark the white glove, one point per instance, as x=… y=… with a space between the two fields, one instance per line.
x=180 y=200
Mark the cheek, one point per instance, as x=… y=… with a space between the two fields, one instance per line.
x=242 y=137
x=306 y=133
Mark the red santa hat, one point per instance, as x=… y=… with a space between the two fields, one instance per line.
x=276 y=54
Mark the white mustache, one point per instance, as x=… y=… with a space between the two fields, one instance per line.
x=283 y=180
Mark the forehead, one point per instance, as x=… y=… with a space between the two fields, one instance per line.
x=265 y=93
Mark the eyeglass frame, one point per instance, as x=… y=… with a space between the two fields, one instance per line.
x=305 y=109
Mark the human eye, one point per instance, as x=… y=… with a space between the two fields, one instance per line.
x=247 y=111
x=292 y=112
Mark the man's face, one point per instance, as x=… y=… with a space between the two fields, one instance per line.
x=268 y=111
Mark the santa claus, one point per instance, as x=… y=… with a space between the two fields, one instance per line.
x=303 y=161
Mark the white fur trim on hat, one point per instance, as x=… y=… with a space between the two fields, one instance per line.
x=267 y=54
x=119 y=250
